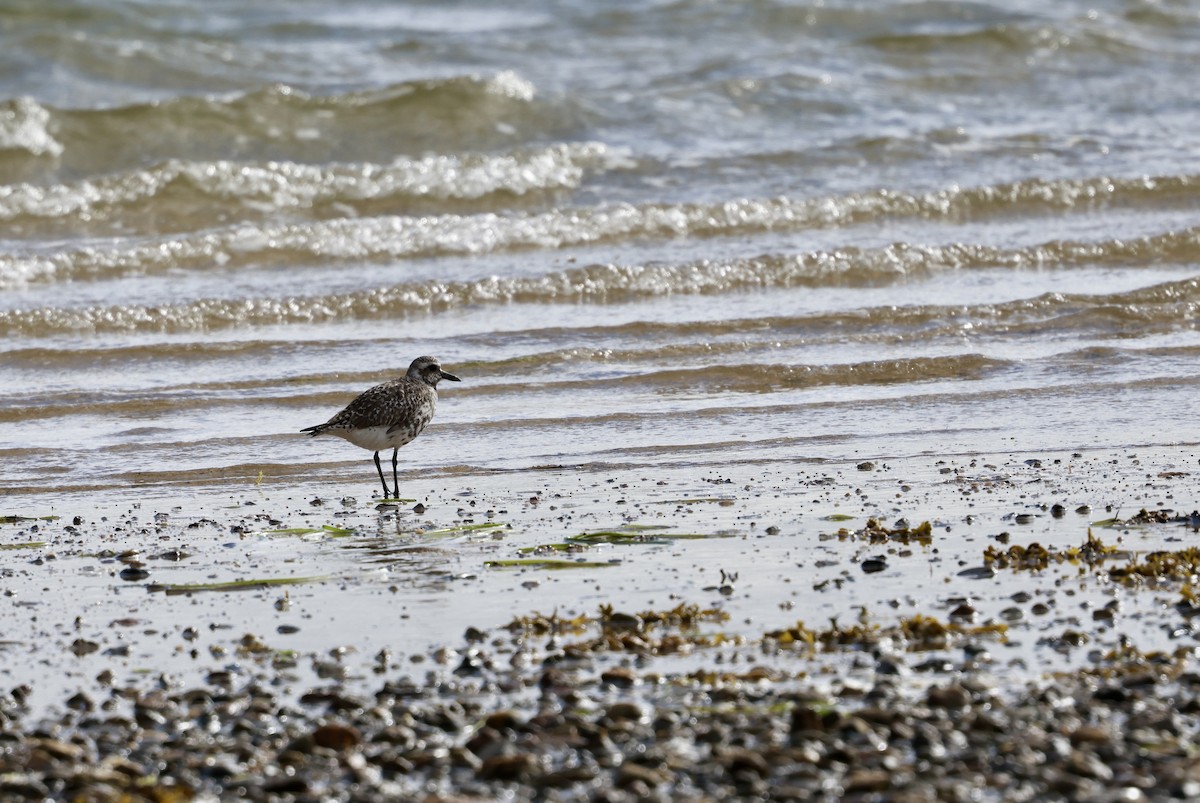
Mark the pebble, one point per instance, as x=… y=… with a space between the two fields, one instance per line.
x=872 y=565
x=336 y=737
x=619 y=676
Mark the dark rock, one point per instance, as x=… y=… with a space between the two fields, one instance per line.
x=873 y=565
x=335 y=736
x=516 y=767
x=862 y=781
x=620 y=676
x=629 y=773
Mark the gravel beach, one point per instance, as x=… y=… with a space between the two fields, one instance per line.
x=1009 y=628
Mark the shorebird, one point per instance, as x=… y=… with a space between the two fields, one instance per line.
x=389 y=415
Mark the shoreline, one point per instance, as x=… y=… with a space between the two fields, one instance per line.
x=317 y=633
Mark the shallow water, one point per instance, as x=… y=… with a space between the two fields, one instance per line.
x=655 y=240
x=295 y=591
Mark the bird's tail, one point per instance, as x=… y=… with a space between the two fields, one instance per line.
x=315 y=430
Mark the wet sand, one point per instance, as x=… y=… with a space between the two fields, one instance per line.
x=598 y=630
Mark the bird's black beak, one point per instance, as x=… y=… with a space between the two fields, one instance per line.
x=451 y=377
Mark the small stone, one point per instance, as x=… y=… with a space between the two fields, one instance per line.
x=463 y=758
x=59 y=750
x=124 y=766
x=619 y=712
x=950 y=696
x=507 y=768
x=1089 y=734
x=805 y=719
x=569 y=776
x=621 y=676
x=504 y=720
x=286 y=786
x=738 y=760
x=964 y=613
x=1087 y=765
x=864 y=781
x=472 y=664
x=872 y=565
x=630 y=773
x=487 y=743
x=83 y=647
x=80 y=702
x=23 y=785
x=335 y=736
x=935 y=665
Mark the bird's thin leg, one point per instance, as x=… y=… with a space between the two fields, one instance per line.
x=395 y=479
x=379 y=468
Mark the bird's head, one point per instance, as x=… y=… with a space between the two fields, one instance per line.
x=429 y=371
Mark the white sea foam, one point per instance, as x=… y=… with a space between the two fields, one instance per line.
x=24 y=125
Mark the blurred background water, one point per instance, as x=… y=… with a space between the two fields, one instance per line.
x=644 y=233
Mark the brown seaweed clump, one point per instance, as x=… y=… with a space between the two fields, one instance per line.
x=916 y=633
x=876 y=533
x=1036 y=557
x=1179 y=565
x=668 y=632
x=1145 y=516
x=681 y=616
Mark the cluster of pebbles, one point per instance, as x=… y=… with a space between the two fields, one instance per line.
x=511 y=723
x=668 y=707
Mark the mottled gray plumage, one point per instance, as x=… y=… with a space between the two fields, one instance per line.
x=390 y=415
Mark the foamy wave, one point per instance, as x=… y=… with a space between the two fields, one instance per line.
x=287 y=185
x=24 y=126
x=250 y=245
x=290 y=185
x=510 y=85
x=598 y=284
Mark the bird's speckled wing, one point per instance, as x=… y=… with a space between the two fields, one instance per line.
x=396 y=404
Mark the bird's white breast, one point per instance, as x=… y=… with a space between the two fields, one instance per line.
x=375 y=439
